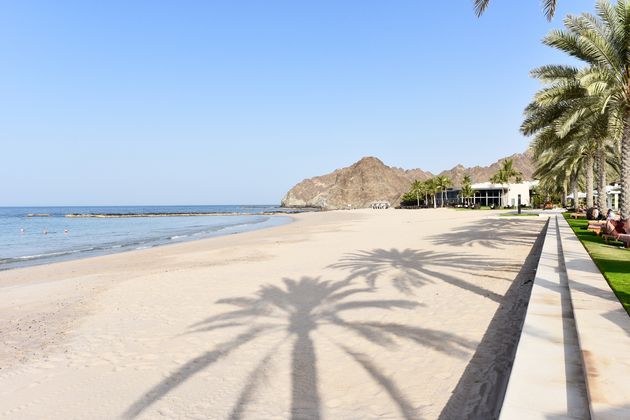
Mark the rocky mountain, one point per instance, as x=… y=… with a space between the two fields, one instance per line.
x=359 y=185
x=522 y=162
x=370 y=180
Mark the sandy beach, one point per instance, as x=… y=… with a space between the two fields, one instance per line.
x=339 y=315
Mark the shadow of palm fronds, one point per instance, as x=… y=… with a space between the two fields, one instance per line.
x=384 y=334
x=405 y=407
x=492 y=233
x=298 y=308
x=411 y=269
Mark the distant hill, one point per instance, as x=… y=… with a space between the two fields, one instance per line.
x=370 y=180
x=522 y=162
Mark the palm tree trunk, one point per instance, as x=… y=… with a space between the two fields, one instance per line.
x=435 y=200
x=564 y=194
x=575 y=190
x=601 y=176
x=624 y=197
x=418 y=198
x=589 y=180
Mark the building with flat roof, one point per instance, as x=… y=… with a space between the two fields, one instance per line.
x=489 y=194
x=612 y=196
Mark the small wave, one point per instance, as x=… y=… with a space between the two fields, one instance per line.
x=119 y=242
x=40 y=256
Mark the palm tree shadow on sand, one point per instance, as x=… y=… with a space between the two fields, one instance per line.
x=496 y=233
x=414 y=268
x=299 y=309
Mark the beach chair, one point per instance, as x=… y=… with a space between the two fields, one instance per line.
x=596 y=226
x=625 y=238
x=578 y=215
x=621 y=235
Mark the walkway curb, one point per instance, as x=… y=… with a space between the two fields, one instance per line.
x=603 y=328
x=546 y=379
x=573 y=357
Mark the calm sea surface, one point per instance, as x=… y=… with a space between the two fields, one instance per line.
x=32 y=240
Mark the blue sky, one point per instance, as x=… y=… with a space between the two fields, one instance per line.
x=221 y=102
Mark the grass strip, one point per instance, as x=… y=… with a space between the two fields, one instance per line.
x=612 y=259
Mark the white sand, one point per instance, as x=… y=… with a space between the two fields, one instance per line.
x=339 y=315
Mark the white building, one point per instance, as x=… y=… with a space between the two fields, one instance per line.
x=498 y=195
x=504 y=194
x=612 y=196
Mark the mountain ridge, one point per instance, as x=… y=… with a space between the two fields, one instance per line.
x=369 y=180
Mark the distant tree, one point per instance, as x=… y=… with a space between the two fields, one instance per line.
x=467 y=190
x=505 y=174
x=433 y=188
x=427 y=190
x=417 y=189
x=408 y=199
x=443 y=182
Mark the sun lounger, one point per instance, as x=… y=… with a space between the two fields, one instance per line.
x=625 y=238
x=578 y=215
x=621 y=237
x=596 y=226
x=611 y=233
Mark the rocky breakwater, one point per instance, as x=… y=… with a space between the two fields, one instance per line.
x=357 y=186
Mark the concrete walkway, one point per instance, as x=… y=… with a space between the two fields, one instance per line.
x=573 y=358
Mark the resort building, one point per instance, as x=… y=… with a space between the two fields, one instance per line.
x=489 y=194
x=612 y=196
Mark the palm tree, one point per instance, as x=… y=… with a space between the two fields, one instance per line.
x=562 y=113
x=442 y=184
x=549 y=7
x=467 y=190
x=559 y=162
x=499 y=178
x=601 y=42
x=505 y=174
x=417 y=188
x=433 y=188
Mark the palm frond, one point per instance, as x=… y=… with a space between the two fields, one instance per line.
x=554 y=72
x=481 y=6
x=549 y=7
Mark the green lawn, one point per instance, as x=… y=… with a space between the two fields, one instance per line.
x=613 y=261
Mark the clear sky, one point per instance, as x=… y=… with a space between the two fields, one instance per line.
x=230 y=102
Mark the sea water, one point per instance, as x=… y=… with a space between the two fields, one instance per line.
x=28 y=238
